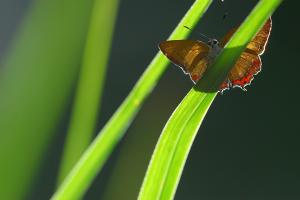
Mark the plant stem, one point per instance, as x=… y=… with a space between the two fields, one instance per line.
x=90 y=85
x=93 y=159
x=169 y=157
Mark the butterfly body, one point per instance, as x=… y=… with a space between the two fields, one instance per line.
x=194 y=57
x=214 y=49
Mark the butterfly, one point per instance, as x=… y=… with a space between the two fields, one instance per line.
x=194 y=57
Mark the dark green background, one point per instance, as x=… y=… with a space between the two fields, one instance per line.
x=248 y=145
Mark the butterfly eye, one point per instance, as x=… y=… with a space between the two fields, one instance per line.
x=215 y=42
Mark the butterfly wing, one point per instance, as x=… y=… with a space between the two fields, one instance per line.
x=249 y=62
x=227 y=37
x=190 y=55
x=244 y=69
x=259 y=42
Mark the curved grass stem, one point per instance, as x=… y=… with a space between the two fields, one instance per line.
x=93 y=159
x=170 y=154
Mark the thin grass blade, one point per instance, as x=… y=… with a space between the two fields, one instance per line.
x=170 y=154
x=90 y=84
x=92 y=161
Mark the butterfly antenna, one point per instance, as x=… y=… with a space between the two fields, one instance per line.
x=201 y=34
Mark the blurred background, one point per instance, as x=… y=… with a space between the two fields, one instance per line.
x=247 y=147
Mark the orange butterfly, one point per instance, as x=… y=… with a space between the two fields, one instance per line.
x=194 y=56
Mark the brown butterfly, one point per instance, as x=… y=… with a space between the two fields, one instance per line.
x=194 y=57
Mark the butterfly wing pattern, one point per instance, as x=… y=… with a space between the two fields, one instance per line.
x=194 y=56
x=190 y=55
x=249 y=63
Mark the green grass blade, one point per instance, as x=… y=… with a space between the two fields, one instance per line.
x=184 y=143
x=91 y=80
x=94 y=158
x=36 y=81
x=169 y=157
